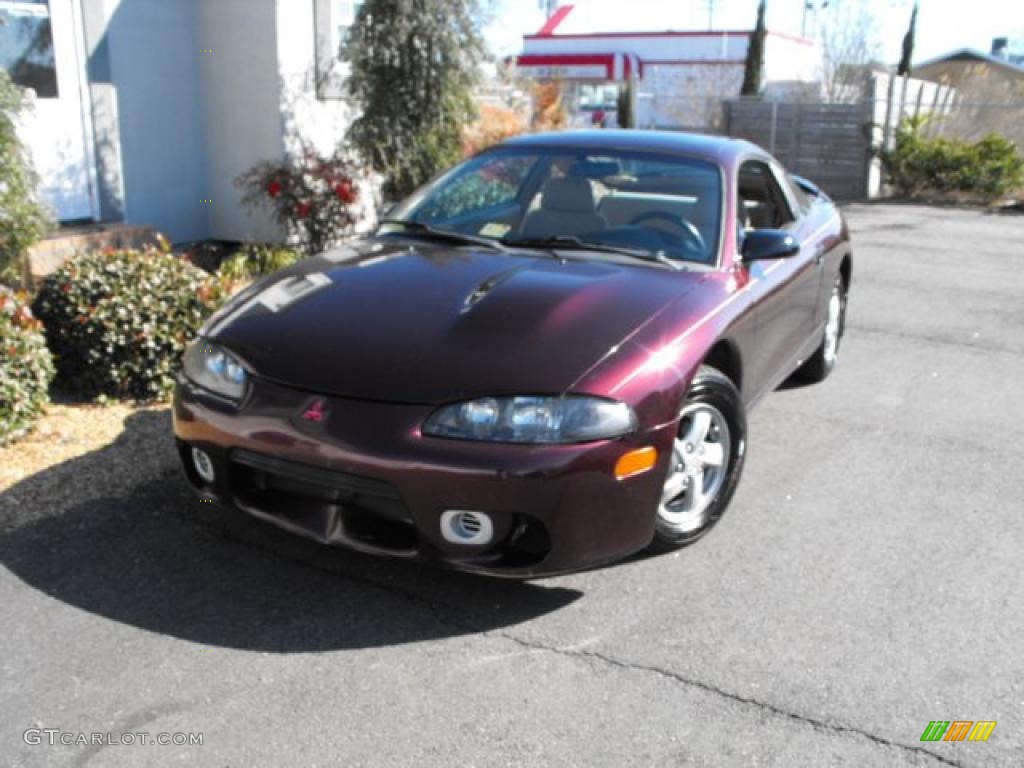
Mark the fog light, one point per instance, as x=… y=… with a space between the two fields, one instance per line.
x=468 y=528
x=635 y=462
x=203 y=464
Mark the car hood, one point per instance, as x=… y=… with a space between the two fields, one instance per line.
x=416 y=322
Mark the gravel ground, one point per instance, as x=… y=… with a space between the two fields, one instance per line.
x=43 y=472
x=865 y=581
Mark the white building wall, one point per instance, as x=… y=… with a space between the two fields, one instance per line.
x=308 y=119
x=723 y=46
x=151 y=65
x=261 y=103
x=686 y=95
x=241 y=109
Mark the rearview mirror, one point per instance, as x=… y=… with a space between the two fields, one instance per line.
x=761 y=244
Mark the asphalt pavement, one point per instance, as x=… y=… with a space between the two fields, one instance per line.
x=867 y=579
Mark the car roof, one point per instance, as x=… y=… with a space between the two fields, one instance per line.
x=718 y=148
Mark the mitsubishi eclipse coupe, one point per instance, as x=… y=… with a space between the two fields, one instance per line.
x=540 y=361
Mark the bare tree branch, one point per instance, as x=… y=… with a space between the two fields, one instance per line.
x=850 y=46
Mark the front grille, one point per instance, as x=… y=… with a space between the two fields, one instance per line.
x=328 y=505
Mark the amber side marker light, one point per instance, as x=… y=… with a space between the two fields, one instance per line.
x=635 y=462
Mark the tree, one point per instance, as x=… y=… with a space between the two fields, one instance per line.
x=850 y=47
x=23 y=219
x=754 y=65
x=908 y=45
x=624 y=106
x=414 y=66
x=549 y=113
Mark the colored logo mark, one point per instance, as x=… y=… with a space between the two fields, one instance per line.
x=958 y=730
x=315 y=412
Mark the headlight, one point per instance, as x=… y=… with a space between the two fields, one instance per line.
x=215 y=369
x=569 y=419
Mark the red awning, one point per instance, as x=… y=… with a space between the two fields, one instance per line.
x=580 y=66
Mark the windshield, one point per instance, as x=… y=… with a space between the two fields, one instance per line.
x=661 y=205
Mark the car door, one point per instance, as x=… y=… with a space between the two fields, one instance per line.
x=786 y=289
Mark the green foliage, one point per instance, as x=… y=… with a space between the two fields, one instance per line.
x=23 y=220
x=753 y=67
x=26 y=367
x=987 y=169
x=118 y=321
x=414 y=66
x=252 y=261
x=312 y=196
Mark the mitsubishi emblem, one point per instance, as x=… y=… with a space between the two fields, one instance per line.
x=315 y=412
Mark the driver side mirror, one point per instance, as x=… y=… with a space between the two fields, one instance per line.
x=761 y=244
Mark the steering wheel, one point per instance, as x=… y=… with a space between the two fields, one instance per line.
x=692 y=240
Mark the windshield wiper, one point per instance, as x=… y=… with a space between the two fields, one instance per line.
x=573 y=243
x=419 y=228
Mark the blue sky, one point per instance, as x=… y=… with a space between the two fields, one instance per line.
x=943 y=25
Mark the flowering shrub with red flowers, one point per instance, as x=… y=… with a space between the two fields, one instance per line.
x=313 y=196
x=26 y=367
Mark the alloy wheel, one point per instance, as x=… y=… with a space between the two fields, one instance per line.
x=700 y=465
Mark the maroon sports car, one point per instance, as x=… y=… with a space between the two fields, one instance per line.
x=540 y=361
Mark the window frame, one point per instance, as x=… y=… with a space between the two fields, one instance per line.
x=783 y=200
x=332 y=72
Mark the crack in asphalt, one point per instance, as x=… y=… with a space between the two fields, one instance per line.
x=443 y=614
x=819 y=725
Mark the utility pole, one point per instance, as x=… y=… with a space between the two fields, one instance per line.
x=711 y=13
x=549 y=7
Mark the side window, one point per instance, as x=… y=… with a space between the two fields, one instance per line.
x=762 y=205
x=26 y=46
x=802 y=199
x=489 y=183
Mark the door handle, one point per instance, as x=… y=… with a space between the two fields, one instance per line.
x=819 y=253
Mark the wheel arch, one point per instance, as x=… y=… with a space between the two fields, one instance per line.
x=725 y=356
x=846 y=270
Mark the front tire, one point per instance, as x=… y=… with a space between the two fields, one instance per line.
x=706 y=462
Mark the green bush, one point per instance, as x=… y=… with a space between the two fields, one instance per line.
x=23 y=220
x=987 y=169
x=26 y=367
x=117 y=322
x=252 y=261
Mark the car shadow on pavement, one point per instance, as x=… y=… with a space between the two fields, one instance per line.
x=152 y=556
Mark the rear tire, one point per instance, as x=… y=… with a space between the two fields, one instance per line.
x=706 y=461
x=823 y=361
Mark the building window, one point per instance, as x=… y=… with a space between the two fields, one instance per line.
x=26 y=46
x=334 y=22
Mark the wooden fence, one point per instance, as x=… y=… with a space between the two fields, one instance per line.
x=837 y=145
x=829 y=143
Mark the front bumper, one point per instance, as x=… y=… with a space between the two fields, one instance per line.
x=363 y=476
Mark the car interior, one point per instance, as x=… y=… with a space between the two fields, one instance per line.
x=667 y=206
x=763 y=204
